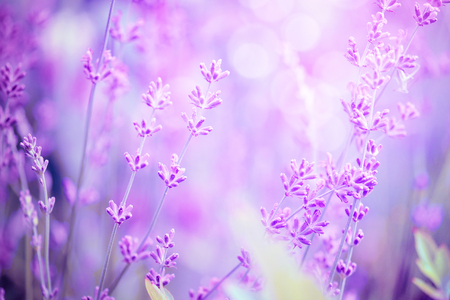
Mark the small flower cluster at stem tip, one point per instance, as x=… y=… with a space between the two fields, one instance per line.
x=98 y=72
x=161 y=257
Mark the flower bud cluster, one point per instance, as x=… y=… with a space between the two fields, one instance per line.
x=160 y=257
x=130 y=251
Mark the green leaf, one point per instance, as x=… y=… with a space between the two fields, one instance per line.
x=442 y=262
x=155 y=293
x=428 y=289
x=426 y=250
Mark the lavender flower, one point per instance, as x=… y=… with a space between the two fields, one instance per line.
x=427 y=15
x=352 y=54
x=6 y=120
x=144 y=131
x=47 y=209
x=245 y=258
x=119 y=214
x=103 y=71
x=167 y=241
x=158 y=279
x=174 y=176
x=345 y=271
x=161 y=252
x=136 y=162
x=130 y=251
x=214 y=73
x=375 y=28
x=408 y=111
x=273 y=223
x=198 y=99
x=358 y=214
x=388 y=5
x=29 y=212
x=158 y=96
x=121 y=35
x=10 y=81
x=195 y=124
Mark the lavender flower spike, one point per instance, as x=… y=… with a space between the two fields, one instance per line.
x=159 y=280
x=119 y=214
x=158 y=96
x=143 y=130
x=9 y=81
x=130 y=252
x=174 y=176
x=167 y=241
x=214 y=73
x=195 y=124
x=245 y=259
x=89 y=69
x=198 y=99
x=47 y=209
x=136 y=162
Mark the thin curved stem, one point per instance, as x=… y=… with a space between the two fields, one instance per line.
x=47 y=236
x=221 y=280
x=118 y=278
x=278 y=207
x=155 y=217
x=83 y=155
x=39 y=257
x=184 y=149
x=106 y=263
x=341 y=245
x=347 y=263
x=152 y=225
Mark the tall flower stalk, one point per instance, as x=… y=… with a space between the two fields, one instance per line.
x=173 y=175
x=94 y=74
x=46 y=206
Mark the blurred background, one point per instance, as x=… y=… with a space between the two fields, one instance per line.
x=281 y=102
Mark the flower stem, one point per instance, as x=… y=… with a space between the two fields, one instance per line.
x=221 y=280
x=106 y=263
x=39 y=256
x=347 y=263
x=314 y=234
x=395 y=67
x=341 y=246
x=155 y=217
x=47 y=235
x=68 y=248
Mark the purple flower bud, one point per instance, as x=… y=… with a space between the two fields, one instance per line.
x=214 y=73
x=103 y=71
x=143 y=130
x=119 y=214
x=9 y=81
x=136 y=162
x=194 y=125
x=245 y=259
x=157 y=96
x=174 y=176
